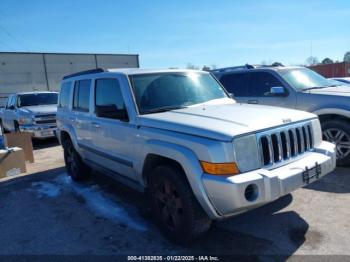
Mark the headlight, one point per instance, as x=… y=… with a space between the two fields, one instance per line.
x=317 y=132
x=25 y=120
x=247 y=153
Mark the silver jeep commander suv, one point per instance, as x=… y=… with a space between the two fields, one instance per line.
x=178 y=136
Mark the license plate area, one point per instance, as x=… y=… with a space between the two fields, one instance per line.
x=311 y=173
x=47 y=133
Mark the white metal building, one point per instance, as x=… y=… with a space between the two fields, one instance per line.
x=44 y=71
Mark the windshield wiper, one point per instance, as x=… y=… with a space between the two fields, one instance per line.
x=163 y=109
x=314 y=87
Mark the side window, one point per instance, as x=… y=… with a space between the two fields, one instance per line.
x=261 y=83
x=64 y=95
x=107 y=92
x=236 y=84
x=82 y=95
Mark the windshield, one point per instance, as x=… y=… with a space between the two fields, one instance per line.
x=304 y=78
x=166 y=91
x=37 y=99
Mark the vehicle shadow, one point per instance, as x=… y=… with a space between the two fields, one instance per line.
x=45 y=143
x=264 y=231
x=336 y=182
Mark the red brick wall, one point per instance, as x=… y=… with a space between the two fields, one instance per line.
x=332 y=70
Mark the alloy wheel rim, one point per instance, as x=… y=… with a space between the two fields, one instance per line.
x=340 y=138
x=169 y=204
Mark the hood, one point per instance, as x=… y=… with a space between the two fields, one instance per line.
x=43 y=109
x=222 y=120
x=334 y=90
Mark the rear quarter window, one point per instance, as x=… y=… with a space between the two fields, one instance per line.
x=65 y=95
x=81 y=99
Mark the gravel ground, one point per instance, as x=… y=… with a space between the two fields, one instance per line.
x=44 y=212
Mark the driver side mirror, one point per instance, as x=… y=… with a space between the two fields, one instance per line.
x=278 y=91
x=111 y=111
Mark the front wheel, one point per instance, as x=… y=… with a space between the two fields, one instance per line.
x=338 y=132
x=2 y=129
x=174 y=207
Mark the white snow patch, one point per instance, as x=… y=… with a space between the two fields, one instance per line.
x=46 y=189
x=103 y=204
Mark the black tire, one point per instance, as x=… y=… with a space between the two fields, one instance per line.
x=174 y=207
x=338 y=132
x=75 y=166
x=2 y=129
x=16 y=125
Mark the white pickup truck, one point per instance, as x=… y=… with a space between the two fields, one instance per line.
x=33 y=112
x=180 y=137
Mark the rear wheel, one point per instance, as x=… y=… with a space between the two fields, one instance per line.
x=338 y=132
x=174 y=207
x=75 y=166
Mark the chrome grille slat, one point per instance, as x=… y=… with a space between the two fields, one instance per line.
x=270 y=148
x=296 y=147
x=285 y=143
x=300 y=130
x=279 y=146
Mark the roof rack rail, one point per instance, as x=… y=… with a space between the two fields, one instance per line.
x=232 y=68
x=244 y=67
x=86 y=72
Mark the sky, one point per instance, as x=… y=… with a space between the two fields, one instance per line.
x=176 y=33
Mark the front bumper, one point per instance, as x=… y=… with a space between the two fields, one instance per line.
x=236 y=194
x=40 y=131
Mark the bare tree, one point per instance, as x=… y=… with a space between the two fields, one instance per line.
x=206 y=68
x=312 y=60
x=192 y=66
x=347 y=57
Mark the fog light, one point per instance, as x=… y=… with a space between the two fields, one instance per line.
x=251 y=192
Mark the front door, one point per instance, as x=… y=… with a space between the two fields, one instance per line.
x=260 y=87
x=112 y=138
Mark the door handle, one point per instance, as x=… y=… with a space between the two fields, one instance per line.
x=72 y=119
x=253 y=102
x=95 y=125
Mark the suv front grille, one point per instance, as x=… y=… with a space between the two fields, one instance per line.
x=45 y=119
x=284 y=143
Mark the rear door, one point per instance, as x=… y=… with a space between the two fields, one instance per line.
x=81 y=117
x=237 y=84
x=260 y=84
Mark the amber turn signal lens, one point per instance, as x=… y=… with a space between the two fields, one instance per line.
x=220 y=168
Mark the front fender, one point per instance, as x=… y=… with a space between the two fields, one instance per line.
x=332 y=111
x=190 y=164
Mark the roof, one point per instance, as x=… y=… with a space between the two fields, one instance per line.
x=248 y=67
x=137 y=71
x=130 y=71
